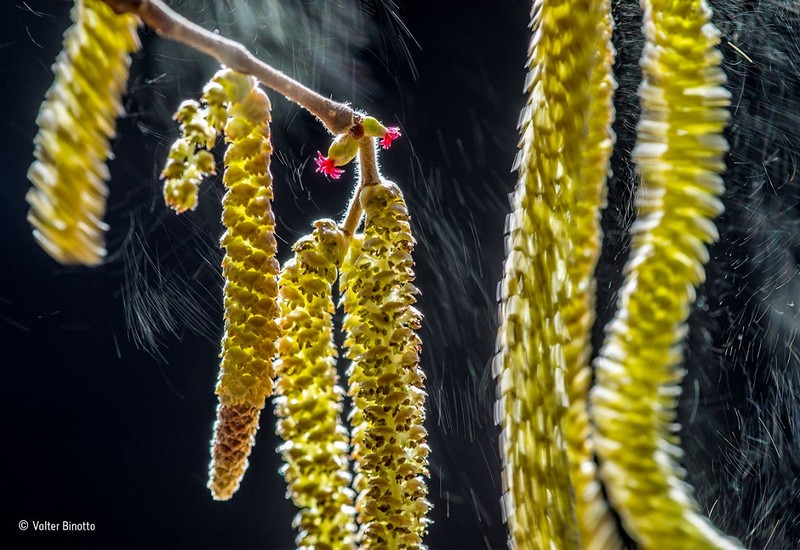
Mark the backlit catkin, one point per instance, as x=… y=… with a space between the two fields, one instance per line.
x=385 y=381
x=250 y=271
x=189 y=159
x=545 y=301
x=679 y=154
x=76 y=123
x=309 y=398
x=597 y=527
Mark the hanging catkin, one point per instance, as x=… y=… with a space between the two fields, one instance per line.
x=189 y=159
x=76 y=123
x=386 y=384
x=597 y=527
x=545 y=309
x=679 y=154
x=309 y=402
x=250 y=271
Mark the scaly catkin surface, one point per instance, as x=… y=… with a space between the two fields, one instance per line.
x=76 y=123
x=250 y=270
x=541 y=310
x=597 y=527
x=189 y=159
x=386 y=384
x=679 y=154
x=309 y=398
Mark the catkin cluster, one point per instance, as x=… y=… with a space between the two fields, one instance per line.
x=190 y=159
x=76 y=122
x=295 y=312
x=679 y=154
x=309 y=398
x=385 y=381
x=389 y=450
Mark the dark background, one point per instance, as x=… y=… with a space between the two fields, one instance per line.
x=108 y=374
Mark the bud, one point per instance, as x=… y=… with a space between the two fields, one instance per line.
x=343 y=150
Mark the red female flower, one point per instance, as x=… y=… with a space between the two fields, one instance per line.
x=392 y=133
x=328 y=167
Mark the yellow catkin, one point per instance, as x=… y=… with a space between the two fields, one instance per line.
x=680 y=154
x=309 y=402
x=386 y=384
x=543 y=280
x=76 y=123
x=250 y=271
x=189 y=159
x=596 y=525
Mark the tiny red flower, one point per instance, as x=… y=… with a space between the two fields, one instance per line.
x=327 y=166
x=391 y=134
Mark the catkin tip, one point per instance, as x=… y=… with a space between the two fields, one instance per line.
x=234 y=436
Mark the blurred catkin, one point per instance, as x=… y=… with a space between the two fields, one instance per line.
x=309 y=402
x=546 y=293
x=76 y=123
x=385 y=381
x=679 y=154
x=251 y=287
x=587 y=196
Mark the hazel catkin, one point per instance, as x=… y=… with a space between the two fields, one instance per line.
x=309 y=399
x=76 y=123
x=385 y=381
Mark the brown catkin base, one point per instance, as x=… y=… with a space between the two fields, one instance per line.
x=234 y=436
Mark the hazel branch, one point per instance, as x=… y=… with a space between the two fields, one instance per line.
x=368 y=175
x=337 y=117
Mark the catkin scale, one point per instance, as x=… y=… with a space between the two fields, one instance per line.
x=679 y=154
x=250 y=271
x=309 y=399
x=385 y=381
x=76 y=123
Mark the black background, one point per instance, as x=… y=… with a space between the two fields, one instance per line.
x=108 y=373
x=105 y=426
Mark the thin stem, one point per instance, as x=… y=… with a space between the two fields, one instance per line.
x=368 y=163
x=368 y=175
x=337 y=117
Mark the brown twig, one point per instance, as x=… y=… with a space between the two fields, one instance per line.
x=368 y=175
x=337 y=117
